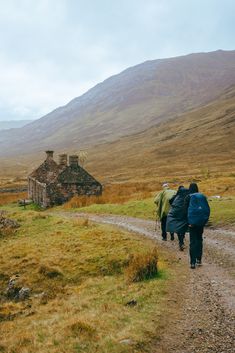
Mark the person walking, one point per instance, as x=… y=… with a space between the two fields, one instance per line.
x=198 y=213
x=177 y=216
x=163 y=205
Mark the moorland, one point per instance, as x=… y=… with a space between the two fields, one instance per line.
x=164 y=120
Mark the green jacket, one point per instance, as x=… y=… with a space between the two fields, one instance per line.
x=162 y=202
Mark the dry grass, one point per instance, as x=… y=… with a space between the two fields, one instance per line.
x=113 y=194
x=76 y=273
x=6 y=198
x=143 y=266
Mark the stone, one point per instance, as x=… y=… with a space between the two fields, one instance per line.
x=24 y=293
x=7 y=222
x=132 y=302
x=127 y=341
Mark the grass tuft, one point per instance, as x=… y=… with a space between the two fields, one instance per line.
x=49 y=272
x=79 y=328
x=143 y=266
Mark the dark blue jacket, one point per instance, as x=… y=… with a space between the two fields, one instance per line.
x=177 y=216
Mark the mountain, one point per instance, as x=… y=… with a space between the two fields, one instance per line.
x=11 y=124
x=130 y=102
x=198 y=142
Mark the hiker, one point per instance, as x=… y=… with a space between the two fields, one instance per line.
x=198 y=213
x=163 y=206
x=177 y=216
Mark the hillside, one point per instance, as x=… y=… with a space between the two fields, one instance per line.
x=201 y=141
x=130 y=102
x=11 y=124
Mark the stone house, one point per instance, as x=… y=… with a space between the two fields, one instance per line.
x=53 y=184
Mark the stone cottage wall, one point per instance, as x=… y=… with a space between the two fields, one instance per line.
x=37 y=192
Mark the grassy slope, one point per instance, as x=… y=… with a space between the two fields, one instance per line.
x=222 y=210
x=81 y=269
x=196 y=143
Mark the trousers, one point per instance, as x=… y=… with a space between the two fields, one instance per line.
x=163 y=228
x=181 y=237
x=196 y=243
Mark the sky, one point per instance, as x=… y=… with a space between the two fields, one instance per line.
x=52 y=51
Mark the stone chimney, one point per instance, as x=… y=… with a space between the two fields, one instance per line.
x=73 y=160
x=49 y=154
x=63 y=160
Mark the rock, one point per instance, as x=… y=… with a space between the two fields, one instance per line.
x=43 y=297
x=14 y=292
x=7 y=222
x=127 y=341
x=24 y=202
x=24 y=293
x=12 y=289
x=132 y=302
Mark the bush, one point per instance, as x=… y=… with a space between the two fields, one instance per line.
x=79 y=328
x=49 y=272
x=142 y=267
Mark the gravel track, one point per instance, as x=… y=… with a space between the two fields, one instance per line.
x=203 y=321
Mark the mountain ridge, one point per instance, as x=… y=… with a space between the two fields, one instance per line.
x=132 y=101
x=13 y=124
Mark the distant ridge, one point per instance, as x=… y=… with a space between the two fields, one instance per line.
x=134 y=100
x=11 y=124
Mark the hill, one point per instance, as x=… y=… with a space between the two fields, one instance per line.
x=130 y=102
x=11 y=124
x=201 y=141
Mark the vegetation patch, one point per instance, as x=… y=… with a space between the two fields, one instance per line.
x=81 y=328
x=143 y=266
x=222 y=209
x=50 y=272
x=80 y=298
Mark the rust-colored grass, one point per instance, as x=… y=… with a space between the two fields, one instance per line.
x=143 y=266
x=6 y=198
x=114 y=194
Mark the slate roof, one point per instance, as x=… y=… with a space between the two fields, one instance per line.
x=50 y=172
x=47 y=172
x=75 y=174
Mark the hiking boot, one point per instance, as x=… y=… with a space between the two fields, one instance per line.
x=172 y=237
x=193 y=266
x=199 y=262
x=164 y=239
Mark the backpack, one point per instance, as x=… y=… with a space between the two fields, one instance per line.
x=198 y=210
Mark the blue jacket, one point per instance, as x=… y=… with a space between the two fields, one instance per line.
x=177 y=217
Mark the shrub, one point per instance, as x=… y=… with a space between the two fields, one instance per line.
x=143 y=266
x=79 y=328
x=49 y=272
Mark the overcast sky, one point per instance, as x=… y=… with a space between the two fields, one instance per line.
x=54 y=50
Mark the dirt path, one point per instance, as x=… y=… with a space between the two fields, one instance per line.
x=203 y=320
